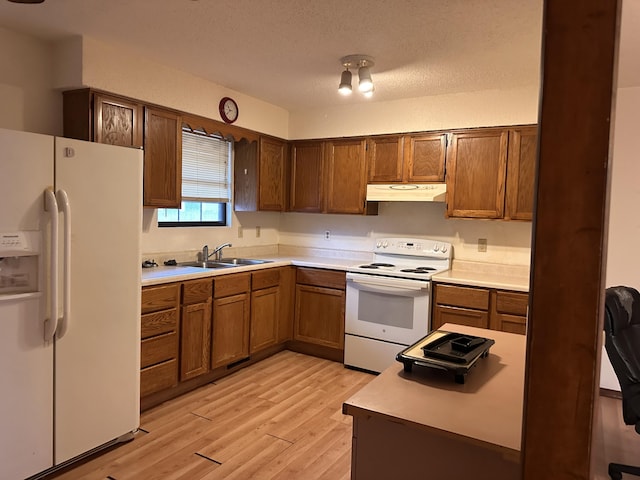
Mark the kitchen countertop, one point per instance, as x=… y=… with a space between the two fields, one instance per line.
x=504 y=277
x=161 y=274
x=486 y=410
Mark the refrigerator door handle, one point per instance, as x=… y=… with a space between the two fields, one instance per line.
x=51 y=323
x=65 y=319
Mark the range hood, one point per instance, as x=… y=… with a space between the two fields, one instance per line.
x=403 y=192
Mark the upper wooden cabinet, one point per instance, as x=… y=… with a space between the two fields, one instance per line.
x=272 y=174
x=346 y=176
x=521 y=168
x=490 y=173
x=385 y=159
x=162 y=158
x=103 y=118
x=307 y=191
x=330 y=177
x=424 y=157
x=476 y=173
x=416 y=158
x=261 y=175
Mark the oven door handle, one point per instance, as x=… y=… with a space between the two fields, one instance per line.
x=392 y=286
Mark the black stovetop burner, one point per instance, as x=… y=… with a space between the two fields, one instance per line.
x=377 y=265
x=418 y=270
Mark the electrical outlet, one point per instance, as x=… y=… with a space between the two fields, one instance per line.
x=482 y=244
x=327 y=235
x=240 y=232
x=258 y=231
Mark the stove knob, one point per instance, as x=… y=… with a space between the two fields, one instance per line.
x=444 y=249
x=436 y=247
x=385 y=244
x=378 y=244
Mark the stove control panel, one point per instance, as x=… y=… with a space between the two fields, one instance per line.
x=412 y=246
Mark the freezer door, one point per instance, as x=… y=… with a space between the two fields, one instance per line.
x=26 y=360
x=27 y=169
x=98 y=356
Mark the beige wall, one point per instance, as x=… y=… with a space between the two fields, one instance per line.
x=116 y=70
x=472 y=109
x=26 y=97
x=623 y=265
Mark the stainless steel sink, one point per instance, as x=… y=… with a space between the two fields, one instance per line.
x=242 y=261
x=208 y=264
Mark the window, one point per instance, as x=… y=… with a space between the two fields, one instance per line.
x=206 y=186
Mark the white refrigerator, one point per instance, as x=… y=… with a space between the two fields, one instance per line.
x=70 y=226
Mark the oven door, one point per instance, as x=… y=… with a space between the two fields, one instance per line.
x=387 y=308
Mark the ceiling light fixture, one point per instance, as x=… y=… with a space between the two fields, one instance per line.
x=365 y=83
x=345 y=83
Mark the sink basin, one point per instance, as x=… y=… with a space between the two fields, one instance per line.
x=242 y=261
x=205 y=264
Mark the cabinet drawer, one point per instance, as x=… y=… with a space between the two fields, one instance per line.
x=231 y=284
x=158 y=377
x=459 y=316
x=462 y=297
x=511 y=302
x=321 y=278
x=160 y=298
x=196 y=291
x=158 y=349
x=158 y=323
x=265 y=278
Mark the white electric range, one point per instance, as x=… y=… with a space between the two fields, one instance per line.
x=388 y=300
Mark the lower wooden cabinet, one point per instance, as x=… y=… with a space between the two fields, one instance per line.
x=159 y=338
x=265 y=309
x=231 y=319
x=195 y=328
x=198 y=330
x=509 y=311
x=480 y=307
x=319 y=307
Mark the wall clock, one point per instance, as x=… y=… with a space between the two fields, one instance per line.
x=228 y=109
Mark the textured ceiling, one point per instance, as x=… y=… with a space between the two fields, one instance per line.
x=287 y=52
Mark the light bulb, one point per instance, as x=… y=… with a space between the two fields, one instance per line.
x=345 y=83
x=366 y=83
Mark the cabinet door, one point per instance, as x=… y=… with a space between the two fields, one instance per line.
x=230 y=332
x=245 y=176
x=265 y=309
x=319 y=316
x=287 y=293
x=384 y=159
x=424 y=157
x=117 y=121
x=271 y=174
x=195 y=340
x=476 y=173
x=521 y=168
x=346 y=176
x=162 y=158
x=307 y=176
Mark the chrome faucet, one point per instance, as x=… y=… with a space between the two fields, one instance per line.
x=216 y=251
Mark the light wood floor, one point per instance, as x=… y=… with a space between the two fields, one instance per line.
x=278 y=419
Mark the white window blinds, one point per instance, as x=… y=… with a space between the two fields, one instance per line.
x=205 y=168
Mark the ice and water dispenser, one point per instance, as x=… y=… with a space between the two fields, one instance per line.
x=19 y=262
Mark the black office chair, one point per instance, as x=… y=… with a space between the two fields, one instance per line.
x=622 y=342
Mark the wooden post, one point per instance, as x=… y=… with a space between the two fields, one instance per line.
x=569 y=238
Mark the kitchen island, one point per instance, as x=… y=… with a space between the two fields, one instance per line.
x=423 y=423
